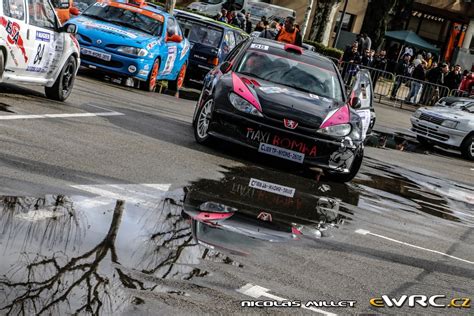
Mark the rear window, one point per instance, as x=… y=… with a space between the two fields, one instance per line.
x=307 y=75
x=201 y=33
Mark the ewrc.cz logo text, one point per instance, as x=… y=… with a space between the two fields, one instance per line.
x=439 y=301
x=261 y=304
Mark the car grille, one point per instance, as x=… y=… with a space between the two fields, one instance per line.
x=431 y=132
x=431 y=118
x=95 y=60
x=301 y=128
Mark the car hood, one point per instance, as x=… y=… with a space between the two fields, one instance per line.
x=107 y=33
x=283 y=102
x=452 y=113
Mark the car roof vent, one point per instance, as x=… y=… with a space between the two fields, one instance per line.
x=294 y=49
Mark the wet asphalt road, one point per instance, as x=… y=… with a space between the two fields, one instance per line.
x=404 y=226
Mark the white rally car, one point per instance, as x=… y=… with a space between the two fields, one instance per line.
x=36 y=49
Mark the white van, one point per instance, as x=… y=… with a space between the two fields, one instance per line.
x=36 y=49
x=270 y=11
x=212 y=7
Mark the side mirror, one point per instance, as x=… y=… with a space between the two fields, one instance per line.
x=355 y=103
x=74 y=11
x=225 y=67
x=175 y=38
x=68 y=28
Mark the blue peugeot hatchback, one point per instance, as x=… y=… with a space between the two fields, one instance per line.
x=211 y=42
x=134 y=40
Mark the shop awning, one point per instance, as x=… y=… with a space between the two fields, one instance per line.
x=410 y=38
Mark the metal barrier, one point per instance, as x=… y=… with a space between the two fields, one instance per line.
x=458 y=93
x=382 y=81
x=414 y=91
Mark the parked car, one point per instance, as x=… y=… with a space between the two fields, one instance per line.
x=283 y=101
x=448 y=124
x=133 y=40
x=37 y=50
x=211 y=42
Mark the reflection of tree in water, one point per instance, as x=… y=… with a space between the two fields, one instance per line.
x=58 y=284
x=52 y=220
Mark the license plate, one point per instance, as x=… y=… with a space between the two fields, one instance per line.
x=281 y=152
x=96 y=54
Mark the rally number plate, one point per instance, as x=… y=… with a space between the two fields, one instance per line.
x=93 y=53
x=281 y=152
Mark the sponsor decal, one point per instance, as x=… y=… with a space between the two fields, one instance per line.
x=412 y=301
x=172 y=52
x=266 y=217
x=43 y=36
x=290 y=124
x=272 y=90
x=14 y=37
x=74 y=40
x=146 y=67
x=35 y=69
x=298 y=304
x=15 y=61
x=143 y=73
x=260 y=46
x=151 y=45
x=272 y=187
x=280 y=141
x=109 y=29
x=185 y=50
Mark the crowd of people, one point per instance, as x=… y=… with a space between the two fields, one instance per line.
x=412 y=69
x=287 y=32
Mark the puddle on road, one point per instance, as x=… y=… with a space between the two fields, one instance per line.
x=76 y=254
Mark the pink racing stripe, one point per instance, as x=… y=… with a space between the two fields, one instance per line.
x=242 y=90
x=341 y=116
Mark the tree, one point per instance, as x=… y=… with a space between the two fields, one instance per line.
x=323 y=17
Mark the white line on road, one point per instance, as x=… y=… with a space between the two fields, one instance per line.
x=134 y=193
x=256 y=291
x=366 y=232
x=43 y=116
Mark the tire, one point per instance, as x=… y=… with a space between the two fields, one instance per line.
x=176 y=85
x=202 y=122
x=346 y=177
x=424 y=141
x=150 y=84
x=467 y=147
x=2 y=63
x=63 y=85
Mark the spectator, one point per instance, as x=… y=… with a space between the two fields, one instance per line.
x=278 y=26
x=270 y=32
x=429 y=59
x=415 y=86
x=367 y=59
x=360 y=43
x=436 y=77
x=289 y=34
x=454 y=78
x=241 y=18
x=392 y=56
x=248 y=23
x=400 y=70
x=223 y=16
x=367 y=44
x=351 y=58
x=380 y=63
x=259 y=27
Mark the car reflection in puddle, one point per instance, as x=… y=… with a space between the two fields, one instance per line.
x=63 y=255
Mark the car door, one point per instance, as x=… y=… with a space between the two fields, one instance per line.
x=173 y=50
x=45 y=44
x=363 y=90
x=14 y=31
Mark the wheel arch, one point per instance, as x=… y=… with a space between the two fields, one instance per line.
x=467 y=136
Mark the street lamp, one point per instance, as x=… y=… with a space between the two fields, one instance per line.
x=338 y=32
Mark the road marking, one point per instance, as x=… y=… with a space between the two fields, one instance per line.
x=43 y=116
x=134 y=193
x=366 y=232
x=256 y=291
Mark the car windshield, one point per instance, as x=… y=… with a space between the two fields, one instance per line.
x=82 y=5
x=130 y=17
x=469 y=108
x=292 y=73
x=201 y=33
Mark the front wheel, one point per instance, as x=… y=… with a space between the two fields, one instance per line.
x=346 y=177
x=202 y=122
x=175 y=85
x=62 y=87
x=467 y=147
x=150 y=84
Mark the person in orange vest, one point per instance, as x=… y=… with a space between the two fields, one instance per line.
x=289 y=33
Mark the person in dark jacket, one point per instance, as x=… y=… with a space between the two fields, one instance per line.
x=454 y=78
x=380 y=63
x=402 y=69
x=367 y=59
x=248 y=23
x=436 y=77
x=415 y=85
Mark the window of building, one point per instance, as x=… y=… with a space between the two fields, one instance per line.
x=347 y=21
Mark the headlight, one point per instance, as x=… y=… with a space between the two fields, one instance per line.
x=336 y=130
x=243 y=105
x=417 y=114
x=133 y=51
x=449 y=123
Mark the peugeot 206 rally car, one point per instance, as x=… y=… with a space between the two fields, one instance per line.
x=133 y=40
x=36 y=49
x=286 y=102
